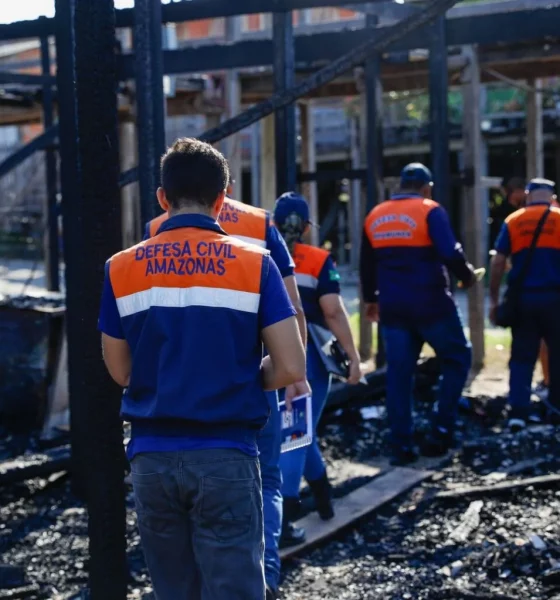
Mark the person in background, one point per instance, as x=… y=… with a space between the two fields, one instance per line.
x=541 y=389
x=253 y=225
x=407 y=247
x=540 y=296
x=184 y=316
x=511 y=198
x=319 y=286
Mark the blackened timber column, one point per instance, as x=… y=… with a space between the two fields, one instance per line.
x=52 y=268
x=372 y=152
x=97 y=210
x=439 y=126
x=472 y=198
x=285 y=118
x=149 y=101
x=70 y=185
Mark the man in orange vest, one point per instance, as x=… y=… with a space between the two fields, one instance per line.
x=408 y=246
x=254 y=225
x=535 y=275
x=183 y=318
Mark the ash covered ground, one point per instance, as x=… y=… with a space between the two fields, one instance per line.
x=410 y=549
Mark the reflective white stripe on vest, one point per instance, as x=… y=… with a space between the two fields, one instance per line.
x=307 y=281
x=183 y=297
x=250 y=240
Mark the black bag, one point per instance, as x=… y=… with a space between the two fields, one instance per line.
x=331 y=352
x=507 y=312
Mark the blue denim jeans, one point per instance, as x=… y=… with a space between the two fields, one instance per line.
x=537 y=321
x=307 y=461
x=269 y=457
x=403 y=346
x=201 y=525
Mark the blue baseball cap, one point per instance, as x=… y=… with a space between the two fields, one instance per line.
x=416 y=173
x=289 y=203
x=540 y=184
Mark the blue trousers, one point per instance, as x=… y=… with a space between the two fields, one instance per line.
x=537 y=321
x=200 y=521
x=269 y=457
x=403 y=346
x=307 y=461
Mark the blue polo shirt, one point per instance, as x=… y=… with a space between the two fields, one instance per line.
x=542 y=280
x=274 y=306
x=408 y=247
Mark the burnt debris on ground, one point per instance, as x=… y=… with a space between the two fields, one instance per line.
x=419 y=547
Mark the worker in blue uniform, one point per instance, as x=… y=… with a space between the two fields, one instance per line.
x=319 y=286
x=183 y=318
x=254 y=225
x=538 y=298
x=407 y=247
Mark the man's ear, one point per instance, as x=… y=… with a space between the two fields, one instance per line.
x=217 y=208
x=427 y=191
x=162 y=199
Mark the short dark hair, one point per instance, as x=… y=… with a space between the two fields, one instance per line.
x=193 y=173
x=513 y=183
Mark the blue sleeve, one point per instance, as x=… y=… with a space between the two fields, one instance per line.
x=329 y=279
x=503 y=242
x=275 y=303
x=448 y=248
x=146 y=232
x=279 y=252
x=109 y=318
x=368 y=271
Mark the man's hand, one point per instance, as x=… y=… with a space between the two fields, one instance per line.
x=372 y=312
x=300 y=388
x=355 y=372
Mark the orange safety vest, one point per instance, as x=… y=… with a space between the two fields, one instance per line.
x=242 y=221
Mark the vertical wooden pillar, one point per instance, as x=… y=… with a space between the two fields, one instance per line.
x=439 y=126
x=132 y=228
x=535 y=142
x=52 y=267
x=472 y=200
x=150 y=101
x=285 y=118
x=233 y=108
x=268 y=164
x=356 y=212
x=371 y=146
x=309 y=165
x=256 y=164
x=92 y=213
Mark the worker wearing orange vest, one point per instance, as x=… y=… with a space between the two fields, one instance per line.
x=184 y=317
x=253 y=225
x=319 y=286
x=408 y=246
x=537 y=296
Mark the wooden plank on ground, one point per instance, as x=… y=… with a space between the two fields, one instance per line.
x=30 y=466
x=357 y=504
x=506 y=486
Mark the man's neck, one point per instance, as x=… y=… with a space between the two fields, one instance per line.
x=533 y=202
x=409 y=193
x=190 y=210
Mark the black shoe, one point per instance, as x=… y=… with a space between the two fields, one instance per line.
x=437 y=443
x=516 y=424
x=271 y=594
x=322 y=493
x=291 y=535
x=404 y=456
x=519 y=420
